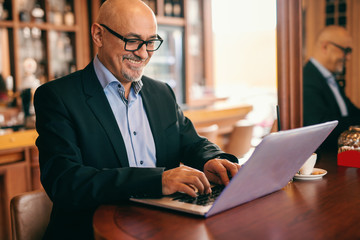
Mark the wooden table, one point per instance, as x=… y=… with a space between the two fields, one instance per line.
x=322 y=209
x=224 y=116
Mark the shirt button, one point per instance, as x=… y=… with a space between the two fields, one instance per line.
x=134 y=133
x=141 y=162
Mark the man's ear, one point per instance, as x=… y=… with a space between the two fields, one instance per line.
x=97 y=34
x=324 y=47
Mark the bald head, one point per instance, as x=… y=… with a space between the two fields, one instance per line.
x=335 y=34
x=328 y=48
x=115 y=11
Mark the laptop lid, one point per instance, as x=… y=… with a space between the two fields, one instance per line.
x=270 y=167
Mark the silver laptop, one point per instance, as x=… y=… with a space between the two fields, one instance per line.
x=270 y=167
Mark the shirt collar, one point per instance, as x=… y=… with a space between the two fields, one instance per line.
x=137 y=86
x=106 y=77
x=326 y=73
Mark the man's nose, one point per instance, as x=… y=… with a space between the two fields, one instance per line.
x=141 y=52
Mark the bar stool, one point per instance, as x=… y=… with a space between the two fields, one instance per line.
x=240 y=138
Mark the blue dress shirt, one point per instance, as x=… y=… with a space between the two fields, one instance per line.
x=130 y=116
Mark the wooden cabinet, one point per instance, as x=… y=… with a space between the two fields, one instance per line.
x=191 y=18
x=19 y=172
x=42 y=39
x=14 y=179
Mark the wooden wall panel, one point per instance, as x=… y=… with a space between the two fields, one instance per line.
x=313 y=22
x=353 y=66
x=289 y=54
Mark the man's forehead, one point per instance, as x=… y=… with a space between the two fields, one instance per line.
x=346 y=41
x=137 y=27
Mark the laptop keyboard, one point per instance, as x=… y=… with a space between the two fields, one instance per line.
x=203 y=200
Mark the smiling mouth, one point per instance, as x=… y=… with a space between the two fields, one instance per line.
x=134 y=61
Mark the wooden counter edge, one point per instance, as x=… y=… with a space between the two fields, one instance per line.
x=204 y=115
x=24 y=138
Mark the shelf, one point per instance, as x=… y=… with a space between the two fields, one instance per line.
x=49 y=26
x=174 y=21
x=6 y=24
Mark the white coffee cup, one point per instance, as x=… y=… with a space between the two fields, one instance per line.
x=308 y=166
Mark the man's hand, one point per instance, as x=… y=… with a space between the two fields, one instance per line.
x=217 y=170
x=185 y=179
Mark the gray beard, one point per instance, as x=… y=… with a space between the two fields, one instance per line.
x=131 y=78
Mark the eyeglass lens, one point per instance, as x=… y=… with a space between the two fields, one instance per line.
x=151 y=45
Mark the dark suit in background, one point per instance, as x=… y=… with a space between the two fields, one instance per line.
x=83 y=158
x=320 y=105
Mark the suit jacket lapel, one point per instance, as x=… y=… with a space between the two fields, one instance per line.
x=153 y=111
x=329 y=95
x=97 y=101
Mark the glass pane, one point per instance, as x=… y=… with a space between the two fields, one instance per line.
x=31 y=11
x=178 y=7
x=195 y=43
x=167 y=63
x=62 y=53
x=4 y=52
x=32 y=57
x=5 y=10
x=61 y=12
x=173 y=8
x=6 y=80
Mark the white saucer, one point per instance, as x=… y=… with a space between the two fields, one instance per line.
x=311 y=177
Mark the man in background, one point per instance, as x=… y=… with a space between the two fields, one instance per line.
x=323 y=98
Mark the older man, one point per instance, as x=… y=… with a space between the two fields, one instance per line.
x=324 y=99
x=107 y=132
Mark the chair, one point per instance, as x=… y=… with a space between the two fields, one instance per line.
x=30 y=215
x=240 y=139
x=210 y=132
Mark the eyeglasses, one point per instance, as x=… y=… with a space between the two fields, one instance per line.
x=133 y=45
x=345 y=50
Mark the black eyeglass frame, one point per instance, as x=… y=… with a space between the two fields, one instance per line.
x=126 y=40
x=346 y=50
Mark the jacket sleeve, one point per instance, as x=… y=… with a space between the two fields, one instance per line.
x=196 y=150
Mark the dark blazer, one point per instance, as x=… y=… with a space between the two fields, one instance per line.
x=320 y=105
x=83 y=160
